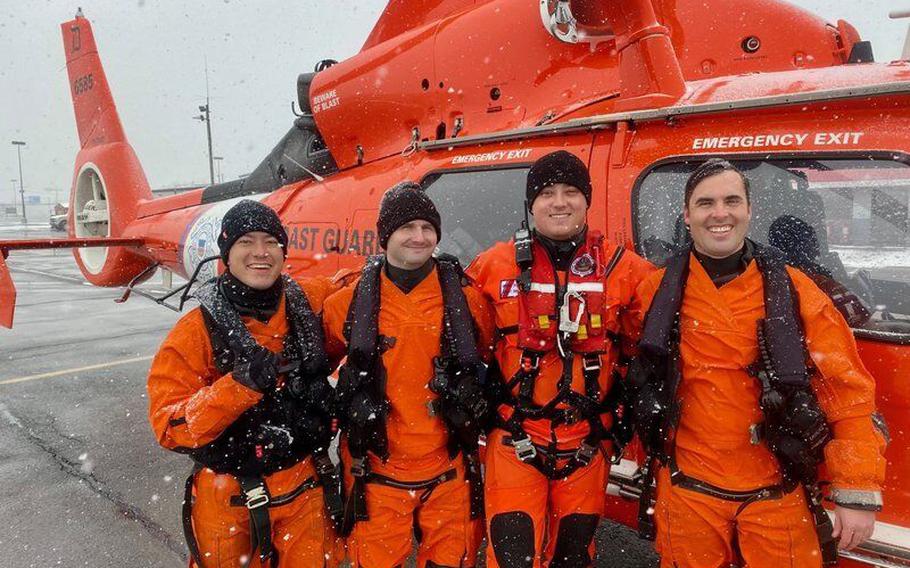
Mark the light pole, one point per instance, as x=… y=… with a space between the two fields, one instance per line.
x=219 y=159
x=19 y=144
x=207 y=119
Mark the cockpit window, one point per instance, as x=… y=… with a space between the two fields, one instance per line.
x=478 y=208
x=844 y=222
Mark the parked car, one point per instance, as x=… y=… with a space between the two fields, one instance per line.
x=58 y=222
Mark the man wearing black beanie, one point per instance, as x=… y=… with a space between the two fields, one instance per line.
x=410 y=402
x=404 y=203
x=562 y=296
x=240 y=386
x=559 y=167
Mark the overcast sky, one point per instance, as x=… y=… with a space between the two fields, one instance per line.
x=154 y=53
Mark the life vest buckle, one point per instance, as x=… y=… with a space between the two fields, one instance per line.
x=591 y=362
x=525 y=450
x=359 y=467
x=585 y=453
x=257 y=497
x=530 y=362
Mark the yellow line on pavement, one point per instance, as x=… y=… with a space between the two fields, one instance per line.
x=76 y=370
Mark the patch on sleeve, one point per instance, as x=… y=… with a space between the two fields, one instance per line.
x=508 y=289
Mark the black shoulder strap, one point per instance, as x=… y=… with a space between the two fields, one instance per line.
x=782 y=325
x=614 y=260
x=306 y=330
x=222 y=355
x=224 y=322
x=458 y=327
x=663 y=315
x=362 y=323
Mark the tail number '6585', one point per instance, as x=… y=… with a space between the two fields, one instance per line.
x=83 y=84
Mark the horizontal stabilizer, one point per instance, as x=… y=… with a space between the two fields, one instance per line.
x=7 y=295
x=8 y=289
x=35 y=244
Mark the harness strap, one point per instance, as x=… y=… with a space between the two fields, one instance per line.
x=507 y=330
x=824 y=528
x=527 y=374
x=332 y=482
x=591 y=367
x=186 y=516
x=680 y=479
x=360 y=470
x=544 y=458
x=257 y=499
x=283 y=499
x=474 y=474
x=427 y=485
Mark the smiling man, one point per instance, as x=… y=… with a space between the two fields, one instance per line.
x=240 y=386
x=563 y=302
x=411 y=406
x=749 y=379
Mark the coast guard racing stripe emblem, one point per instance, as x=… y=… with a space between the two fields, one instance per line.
x=508 y=289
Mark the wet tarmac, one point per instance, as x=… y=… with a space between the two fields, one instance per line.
x=82 y=479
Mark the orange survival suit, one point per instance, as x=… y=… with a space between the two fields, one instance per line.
x=721 y=493
x=559 y=345
x=254 y=494
x=413 y=480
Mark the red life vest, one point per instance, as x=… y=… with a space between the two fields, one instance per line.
x=540 y=318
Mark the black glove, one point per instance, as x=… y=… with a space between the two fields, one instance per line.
x=470 y=396
x=648 y=413
x=365 y=426
x=315 y=393
x=259 y=372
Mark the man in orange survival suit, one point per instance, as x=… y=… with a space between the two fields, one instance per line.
x=239 y=385
x=745 y=427
x=410 y=399
x=563 y=299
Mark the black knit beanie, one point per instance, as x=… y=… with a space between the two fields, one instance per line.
x=558 y=167
x=246 y=217
x=402 y=204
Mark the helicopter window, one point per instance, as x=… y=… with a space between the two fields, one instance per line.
x=478 y=208
x=844 y=222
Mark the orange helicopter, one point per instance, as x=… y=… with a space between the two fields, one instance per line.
x=463 y=95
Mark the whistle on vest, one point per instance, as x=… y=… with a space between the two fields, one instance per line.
x=566 y=323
